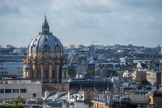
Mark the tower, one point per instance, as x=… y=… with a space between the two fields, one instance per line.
x=45 y=60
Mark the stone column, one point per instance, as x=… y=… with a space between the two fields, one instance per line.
x=29 y=74
x=24 y=73
x=50 y=72
x=42 y=72
x=35 y=71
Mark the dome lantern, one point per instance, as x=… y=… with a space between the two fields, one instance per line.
x=45 y=27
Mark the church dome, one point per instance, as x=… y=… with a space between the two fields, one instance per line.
x=45 y=41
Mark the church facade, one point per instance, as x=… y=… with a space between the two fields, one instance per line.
x=45 y=61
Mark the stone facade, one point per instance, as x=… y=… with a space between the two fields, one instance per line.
x=47 y=69
x=151 y=76
x=99 y=105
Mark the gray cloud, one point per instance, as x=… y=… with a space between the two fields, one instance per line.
x=5 y=9
x=79 y=21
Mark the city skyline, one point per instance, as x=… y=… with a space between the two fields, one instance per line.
x=81 y=21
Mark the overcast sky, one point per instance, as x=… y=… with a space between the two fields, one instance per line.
x=137 y=22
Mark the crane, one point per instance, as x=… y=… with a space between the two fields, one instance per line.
x=94 y=41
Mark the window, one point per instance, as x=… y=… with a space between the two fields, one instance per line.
x=1 y=90
x=7 y=90
x=34 y=95
x=15 y=90
x=46 y=74
x=22 y=90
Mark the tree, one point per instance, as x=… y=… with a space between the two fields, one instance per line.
x=18 y=102
x=71 y=72
x=143 y=84
x=120 y=74
x=15 y=103
x=91 y=72
x=109 y=72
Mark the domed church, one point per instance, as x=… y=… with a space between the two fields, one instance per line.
x=45 y=60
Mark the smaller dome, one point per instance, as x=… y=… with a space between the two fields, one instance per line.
x=27 y=67
x=158 y=93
